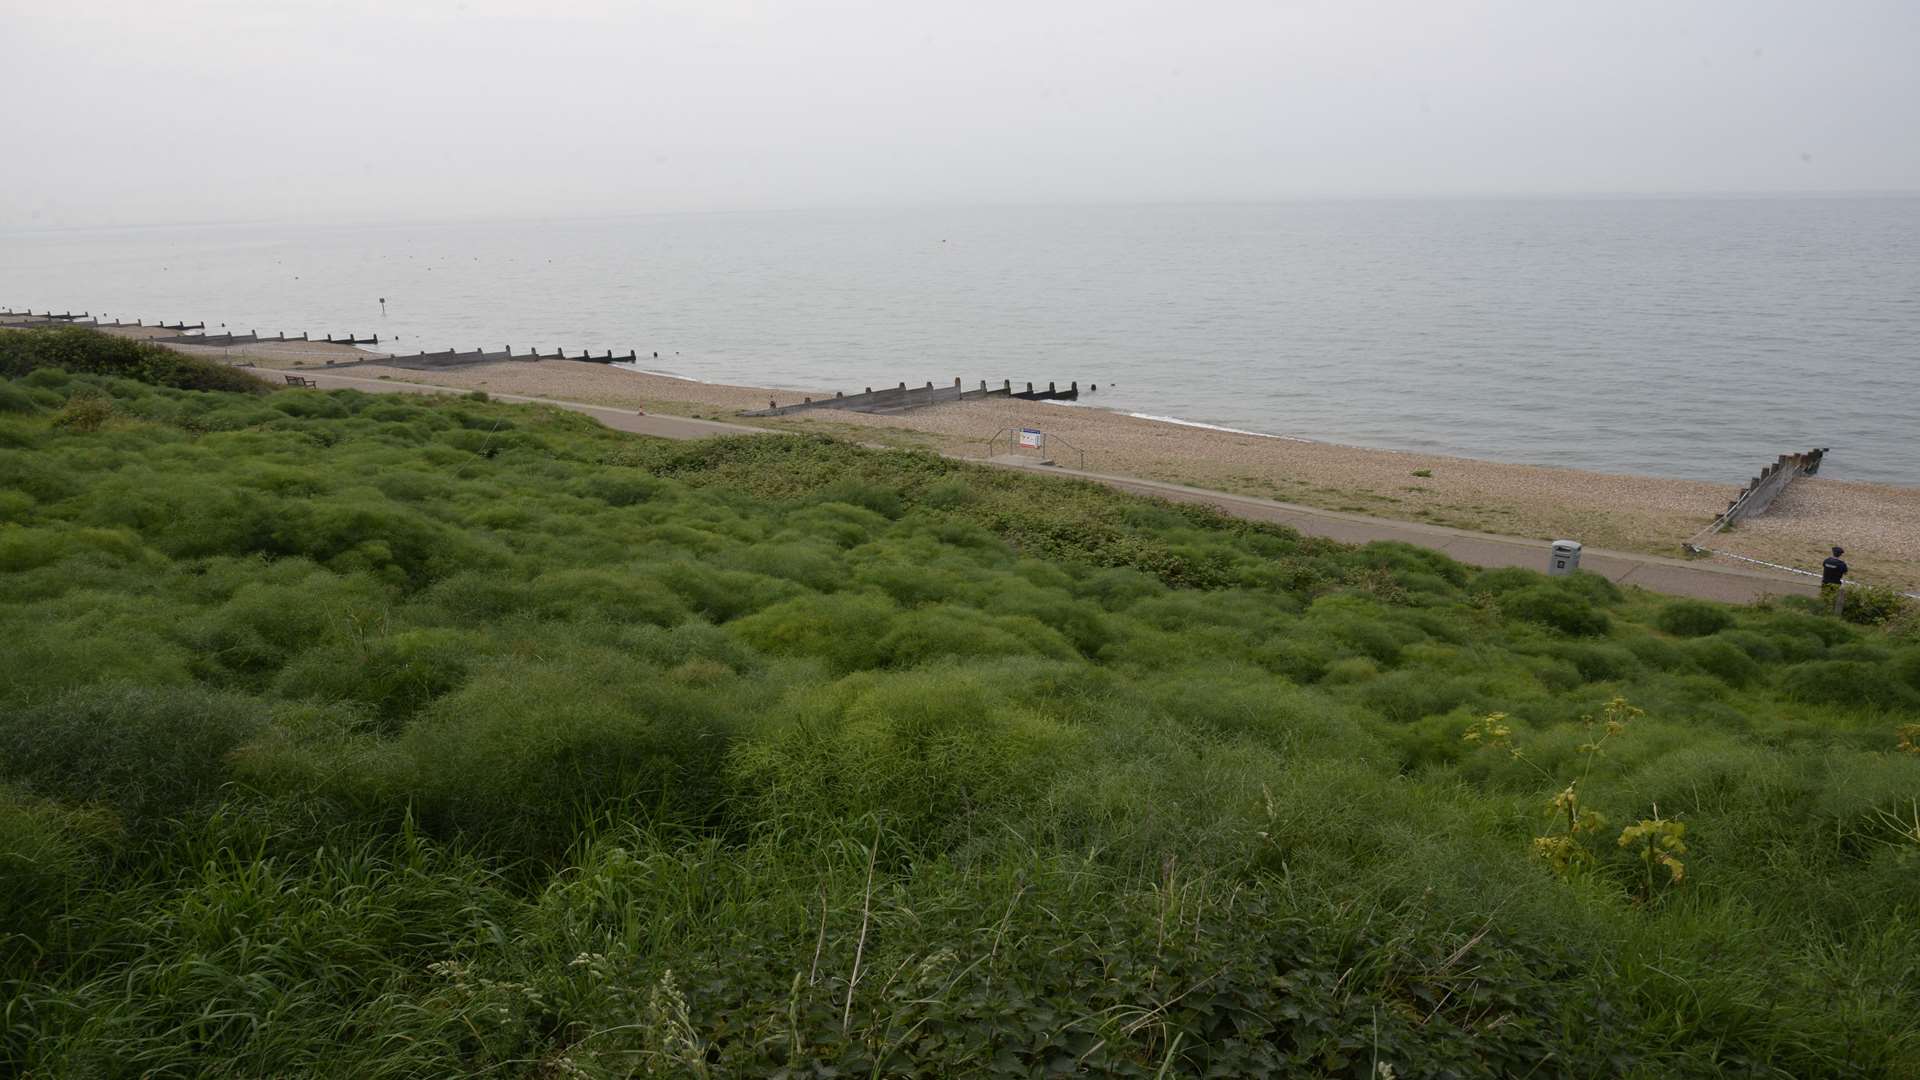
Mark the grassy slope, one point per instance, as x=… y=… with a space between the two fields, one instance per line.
x=357 y=736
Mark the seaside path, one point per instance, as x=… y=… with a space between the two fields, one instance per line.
x=1674 y=577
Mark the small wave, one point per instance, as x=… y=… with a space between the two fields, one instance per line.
x=636 y=368
x=1217 y=427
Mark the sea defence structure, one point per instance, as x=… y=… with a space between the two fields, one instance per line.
x=253 y=336
x=902 y=397
x=185 y=334
x=433 y=361
x=1760 y=491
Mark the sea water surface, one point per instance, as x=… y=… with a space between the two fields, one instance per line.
x=1689 y=338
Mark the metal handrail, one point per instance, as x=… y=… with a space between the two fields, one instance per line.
x=1049 y=436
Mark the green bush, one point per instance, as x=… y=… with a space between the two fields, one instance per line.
x=1724 y=660
x=14 y=399
x=150 y=754
x=1873 y=606
x=393 y=677
x=571 y=595
x=1558 y=609
x=947 y=632
x=1906 y=667
x=73 y=349
x=843 y=630
x=1692 y=618
x=524 y=755
x=1847 y=683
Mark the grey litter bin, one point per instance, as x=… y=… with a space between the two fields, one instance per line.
x=1565 y=558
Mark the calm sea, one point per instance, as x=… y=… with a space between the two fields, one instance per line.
x=1689 y=337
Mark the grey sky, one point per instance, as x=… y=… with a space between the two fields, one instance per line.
x=137 y=111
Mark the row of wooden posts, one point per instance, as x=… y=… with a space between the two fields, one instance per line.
x=183 y=337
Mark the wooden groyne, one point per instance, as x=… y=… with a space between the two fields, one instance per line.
x=446 y=358
x=887 y=399
x=46 y=318
x=1760 y=491
x=252 y=337
x=902 y=397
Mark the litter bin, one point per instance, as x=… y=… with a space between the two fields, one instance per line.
x=1565 y=558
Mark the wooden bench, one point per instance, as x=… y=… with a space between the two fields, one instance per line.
x=301 y=380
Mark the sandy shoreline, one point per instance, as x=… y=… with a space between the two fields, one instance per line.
x=1879 y=524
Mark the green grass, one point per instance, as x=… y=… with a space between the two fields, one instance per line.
x=351 y=735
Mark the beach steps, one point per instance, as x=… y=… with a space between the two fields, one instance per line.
x=902 y=397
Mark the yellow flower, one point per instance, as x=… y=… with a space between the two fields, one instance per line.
x=1909 y=735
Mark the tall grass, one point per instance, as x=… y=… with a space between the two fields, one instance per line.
x=336 y=742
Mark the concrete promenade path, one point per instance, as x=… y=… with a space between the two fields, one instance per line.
x=1674 y=577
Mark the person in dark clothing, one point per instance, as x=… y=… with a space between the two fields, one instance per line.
x=1833 y=575
x=1834 y=570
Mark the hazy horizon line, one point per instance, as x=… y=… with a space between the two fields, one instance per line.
x=1051 y=204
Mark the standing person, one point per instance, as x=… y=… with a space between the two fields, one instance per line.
x=1833 y=576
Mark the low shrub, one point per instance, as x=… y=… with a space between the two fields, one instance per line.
x=525 y=754
x=842 y=629
x=1847 y=683
x=14 y=399
x=1558 y=609
x=1871 y=606
x=1692 y=618
x=74 y=349
x=149 y=753
x=1725 y=661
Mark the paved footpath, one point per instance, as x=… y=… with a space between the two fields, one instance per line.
x=1676 y=577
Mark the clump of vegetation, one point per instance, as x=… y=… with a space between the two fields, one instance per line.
x=348 y=735
x=1874 y=606
x=1691 y=618
x=76 y=349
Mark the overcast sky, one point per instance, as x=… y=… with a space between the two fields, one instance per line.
x=151 y=111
